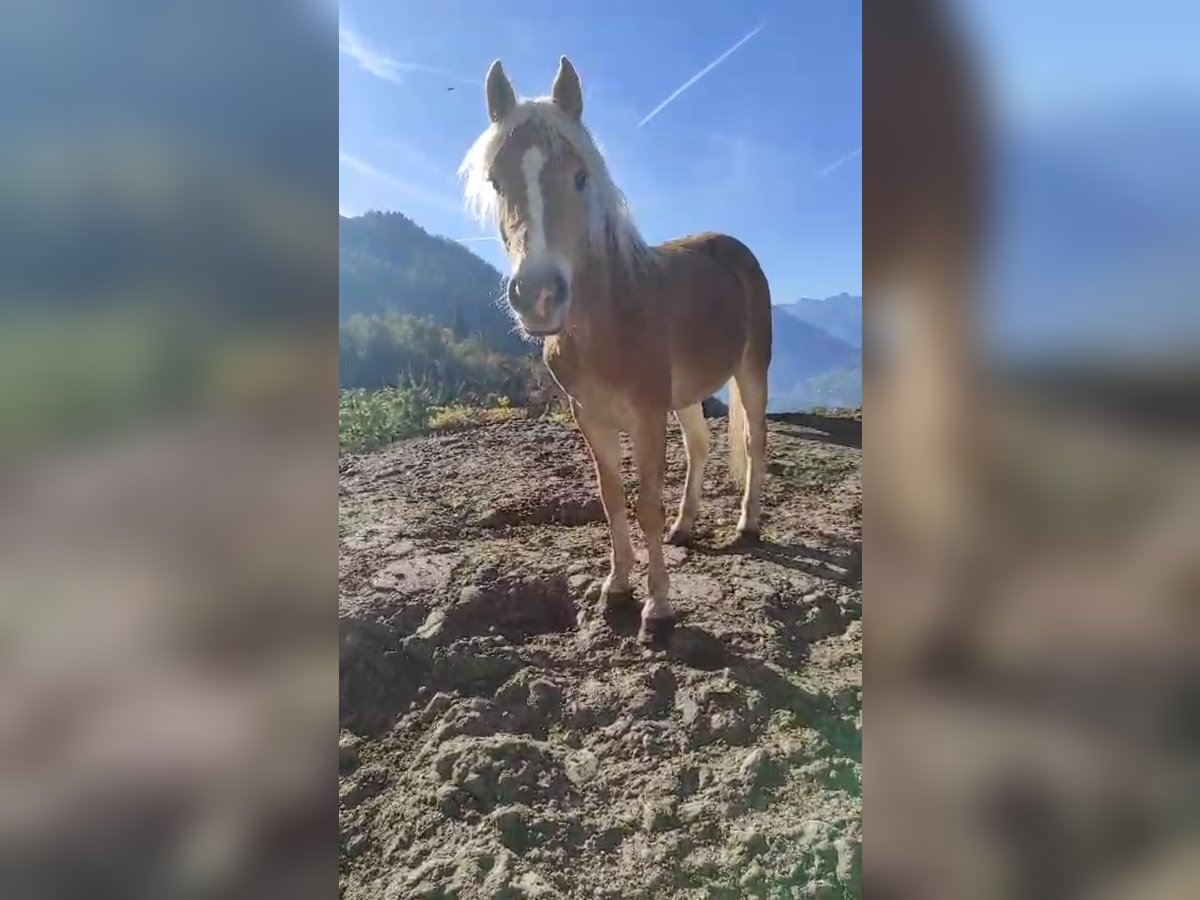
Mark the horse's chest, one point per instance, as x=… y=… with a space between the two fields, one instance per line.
x=603 y=399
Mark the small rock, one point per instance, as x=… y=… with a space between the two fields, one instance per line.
x=356 y=845
x=368 y=783
x=609 y=839
x=752 y=876
x=348 y=759
x=750 y=842
x=535 y=886
x=545 y=696
x=658 y=816
x=450 y=801
x=582 y=766
x=752 y=765
x=661 y=679
x=812 y=832
x=825 y=857
x=687 y=781
x=696 y=811
x=514 y=832
x=475 y=785
x=689 y=709
x=444 y=762
x=849 y=861
x=438 y=704
x=430 y=634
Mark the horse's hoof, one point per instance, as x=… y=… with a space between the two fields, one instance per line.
x=616 y=601
x=655 y=632
x=748 y=537
x=679 y=537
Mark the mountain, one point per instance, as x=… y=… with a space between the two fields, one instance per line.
x=388 y=263
x=810 y=366
x=840 y=316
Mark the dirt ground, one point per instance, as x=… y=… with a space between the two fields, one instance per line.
x=501 y=737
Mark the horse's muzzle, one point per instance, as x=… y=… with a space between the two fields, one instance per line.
x=540 y=303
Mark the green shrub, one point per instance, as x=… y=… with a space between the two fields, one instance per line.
x=368 y=420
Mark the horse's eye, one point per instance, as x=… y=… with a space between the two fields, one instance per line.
x=580 y=180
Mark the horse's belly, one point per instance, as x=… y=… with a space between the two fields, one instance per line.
x=695 y=379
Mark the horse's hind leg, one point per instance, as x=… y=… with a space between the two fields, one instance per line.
x=751 y=384
x=695 y=442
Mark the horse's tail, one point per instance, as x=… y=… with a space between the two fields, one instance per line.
x=756 y=356
x=737 y=436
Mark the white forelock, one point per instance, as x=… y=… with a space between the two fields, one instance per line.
x=609 y=212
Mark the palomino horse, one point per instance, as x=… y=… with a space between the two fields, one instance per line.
x=632 y=332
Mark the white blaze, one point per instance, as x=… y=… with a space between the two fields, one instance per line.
x=531 y=167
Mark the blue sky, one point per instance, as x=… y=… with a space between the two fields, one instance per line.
x=766 y=145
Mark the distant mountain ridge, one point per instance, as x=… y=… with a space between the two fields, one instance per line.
x=840 y=315
x=809 y=366
x=388 y=263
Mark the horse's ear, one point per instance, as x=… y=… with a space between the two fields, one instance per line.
x=500 y=96
x=566 y=93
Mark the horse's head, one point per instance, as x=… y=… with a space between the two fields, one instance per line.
x=536 y=171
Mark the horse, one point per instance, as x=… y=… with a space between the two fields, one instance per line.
x=631 y=332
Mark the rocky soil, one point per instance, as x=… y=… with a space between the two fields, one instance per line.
x=502 y=738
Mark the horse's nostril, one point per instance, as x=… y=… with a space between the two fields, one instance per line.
x=560 y=288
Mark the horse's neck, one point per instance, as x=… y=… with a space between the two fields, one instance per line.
x=610 y=303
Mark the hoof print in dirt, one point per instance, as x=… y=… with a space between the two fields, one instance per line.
x=512 y=824
x=747 y=537
x=698 y=649
x=367 y=783
x=476 y=665
x=658 y=698
x=617 y=601
x=656 y=632
x=377 y=679
x=679 y=537
x=620 y=611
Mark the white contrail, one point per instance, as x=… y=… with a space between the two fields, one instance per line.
x=369 y=60
x=474 y=239
x=687 y=84
x=838 y=163
x=383 y=66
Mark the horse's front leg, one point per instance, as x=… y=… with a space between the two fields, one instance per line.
x=605 y=445
x=650 y=453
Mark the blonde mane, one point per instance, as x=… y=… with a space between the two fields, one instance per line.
x=611 y=224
